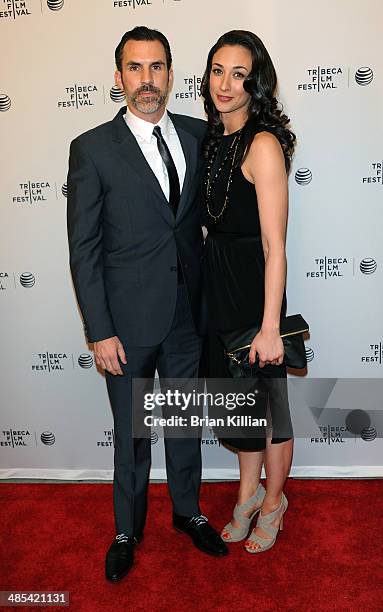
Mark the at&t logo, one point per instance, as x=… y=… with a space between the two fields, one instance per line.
x=117 y=95
x=191 y=88
x=328 y=267
x=108 y=440
x=368 y=265
x=5 y=103
x=12 y=9
x=47 y=438
x=303 y=176
x=364 y=76
x=368 y=434
x=85 y=361
x=55 y=5
x=79 y=96
x=309 y=354
x=27 y=280
x=376 y=174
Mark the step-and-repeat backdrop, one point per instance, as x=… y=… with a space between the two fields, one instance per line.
x=56 y=81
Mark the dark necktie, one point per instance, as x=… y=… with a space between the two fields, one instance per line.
x=174 y=184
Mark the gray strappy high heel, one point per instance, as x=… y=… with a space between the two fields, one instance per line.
x=264 y=523
x=240 y=533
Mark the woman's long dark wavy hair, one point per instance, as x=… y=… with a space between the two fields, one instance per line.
x=261 y=84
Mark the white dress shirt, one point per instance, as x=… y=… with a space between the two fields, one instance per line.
x=143 y=132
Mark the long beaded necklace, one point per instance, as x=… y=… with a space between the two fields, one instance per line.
x=210 y=182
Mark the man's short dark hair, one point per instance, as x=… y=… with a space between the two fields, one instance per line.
x=142 y=33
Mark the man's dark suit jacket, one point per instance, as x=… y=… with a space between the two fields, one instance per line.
x=123 y=236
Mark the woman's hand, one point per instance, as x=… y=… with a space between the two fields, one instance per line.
x=269 y=347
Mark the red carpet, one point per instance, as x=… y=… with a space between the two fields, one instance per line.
x=328 y=557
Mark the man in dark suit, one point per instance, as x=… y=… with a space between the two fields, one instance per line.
x=136 y=254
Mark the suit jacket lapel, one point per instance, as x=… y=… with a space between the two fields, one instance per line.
x=132 y=154
x=189 y=145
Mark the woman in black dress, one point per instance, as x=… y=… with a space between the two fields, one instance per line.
x=248 y=149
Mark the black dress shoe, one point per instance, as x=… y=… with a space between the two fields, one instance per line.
x=120 y=557
x=203 y=535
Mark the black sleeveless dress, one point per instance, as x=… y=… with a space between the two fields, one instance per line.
x=234 y=279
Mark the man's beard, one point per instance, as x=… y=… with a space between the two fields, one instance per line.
x=148 y=104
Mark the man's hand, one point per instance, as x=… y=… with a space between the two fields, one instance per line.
x=106 y=353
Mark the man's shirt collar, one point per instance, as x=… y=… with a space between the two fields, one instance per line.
x=144 y=129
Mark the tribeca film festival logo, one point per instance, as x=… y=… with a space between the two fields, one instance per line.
x=79 y=96
x=376 y=174
x=108 y=439
x=14 y=437
x=50 y=362
x=133 y=4
x=374 y=355
x=212 y=441
x=191 y=88
x=320 y=78
x=12 y=9
x=337 y=427
x=4 y=280
x=330 y=434
x=331 y=267
x=328 y=267
x=32 y=192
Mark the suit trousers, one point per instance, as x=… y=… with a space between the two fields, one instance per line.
x=177 y=356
